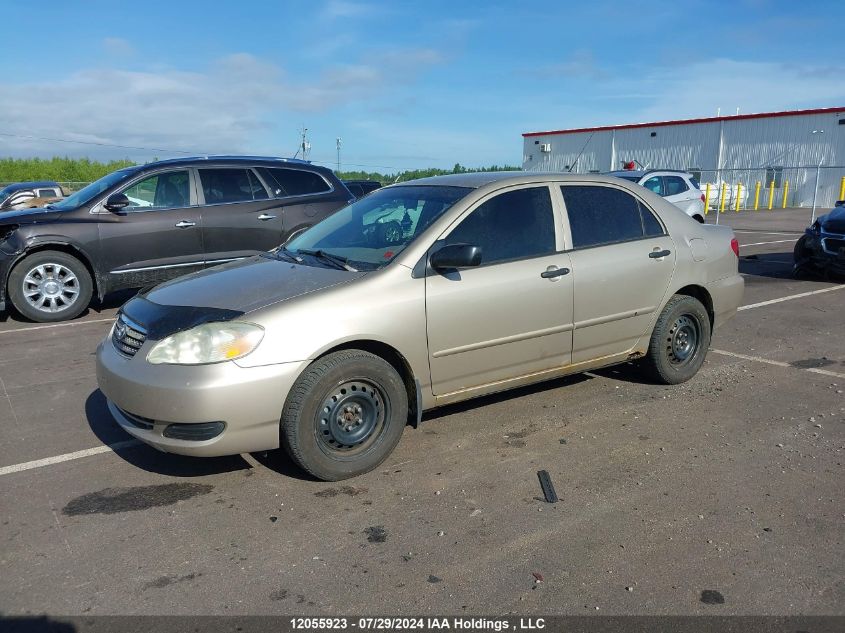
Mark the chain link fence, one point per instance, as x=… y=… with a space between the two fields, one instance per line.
x=815 y=187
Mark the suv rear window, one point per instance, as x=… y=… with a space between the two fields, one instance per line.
x=230 y=184
x=294 y=182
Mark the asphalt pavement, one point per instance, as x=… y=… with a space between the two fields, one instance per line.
x=720 y=496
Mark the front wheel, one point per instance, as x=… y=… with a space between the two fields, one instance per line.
x=344 y=415
x=50 y=286
x=679 y=341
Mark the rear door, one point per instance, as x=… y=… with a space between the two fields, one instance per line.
x=239 y=216
x=158 y=236
x=511 y=316
x=679 y=193
x=622 y=263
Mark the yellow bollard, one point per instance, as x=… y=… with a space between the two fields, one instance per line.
x=707 y=197
x=757 y=196
x=738 y=195
x=785 y=193
x=771 y=194
x=722 y=200
x=842 y=189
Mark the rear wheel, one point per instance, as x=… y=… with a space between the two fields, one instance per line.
x=679 y=341
x=344 y=415
x=50 y=286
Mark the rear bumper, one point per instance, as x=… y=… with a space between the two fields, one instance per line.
x=146 y=399
x=727 y=296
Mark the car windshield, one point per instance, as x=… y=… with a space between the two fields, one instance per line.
x=93 y=190
x=370 y=233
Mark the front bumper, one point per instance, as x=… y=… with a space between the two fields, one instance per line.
x=825 y=251
x=145 y=399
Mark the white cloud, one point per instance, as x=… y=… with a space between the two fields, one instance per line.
x=230 y=107
x=118 y=47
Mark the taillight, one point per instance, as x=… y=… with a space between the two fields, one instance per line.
x=702 y=197
x=735 y=246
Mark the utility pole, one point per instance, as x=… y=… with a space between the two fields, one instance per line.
x=304 y=145
x=339 y=141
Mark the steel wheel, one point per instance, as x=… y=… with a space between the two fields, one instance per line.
x=682 y=341
x=50 y=287
x=351 y=418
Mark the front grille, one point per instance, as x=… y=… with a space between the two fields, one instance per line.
x=833 y=245
x=128 y=336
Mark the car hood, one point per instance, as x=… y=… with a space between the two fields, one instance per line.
x=833 y=222
x=247 y=285
x=26 y=216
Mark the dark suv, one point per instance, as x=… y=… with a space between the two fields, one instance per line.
x=146 y=224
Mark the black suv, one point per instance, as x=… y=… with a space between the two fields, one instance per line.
x=146 y=224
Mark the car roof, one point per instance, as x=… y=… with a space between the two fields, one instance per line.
x=476 y=180
x=17 y=186
x=267 y=161
x=626 y=173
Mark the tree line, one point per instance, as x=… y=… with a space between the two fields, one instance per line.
x=84 y=170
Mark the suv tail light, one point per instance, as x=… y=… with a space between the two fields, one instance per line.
x=702 y=197
x=735 y=246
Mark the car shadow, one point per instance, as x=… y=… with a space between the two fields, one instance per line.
x=111 y=301
x=768 y=265
x=147 y=458
x=503 y=396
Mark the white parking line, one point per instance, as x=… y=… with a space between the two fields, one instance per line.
x=777 y=363
x=761 y=243
x=766 y=232
x=44 y=327
x=49 y=461
x=790 y=297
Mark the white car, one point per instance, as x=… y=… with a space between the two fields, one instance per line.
x=677 y=187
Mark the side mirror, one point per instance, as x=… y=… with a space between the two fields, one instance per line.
x=116 y=202
x=456 y=256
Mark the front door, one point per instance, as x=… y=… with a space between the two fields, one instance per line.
x=157 y=237
x=511 y=316
x=622 y=262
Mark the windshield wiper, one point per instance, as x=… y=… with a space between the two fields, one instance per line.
x=337 y=260
x=282 y=254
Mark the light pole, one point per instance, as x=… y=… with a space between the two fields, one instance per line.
x=816 y=188
x=339 y=141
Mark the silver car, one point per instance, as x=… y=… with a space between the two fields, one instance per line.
x=420 y=294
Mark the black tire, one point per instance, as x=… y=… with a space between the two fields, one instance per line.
x=334 y=435
x=802 y=256
x=69 y=293
x=679 y=341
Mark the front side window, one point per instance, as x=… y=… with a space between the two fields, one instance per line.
x=674 y=185
x=294 y=182
x=47 y=193
x=168 y=190
x=655 y=184
x=371 y=232
x=230 y=184
x=512 y=225
x=601 y=215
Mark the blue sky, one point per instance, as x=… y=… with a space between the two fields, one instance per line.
x=405 y=84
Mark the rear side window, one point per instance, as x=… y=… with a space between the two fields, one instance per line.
x=695 y=183
x=674 y=185
x=601 y=215
x=513 y=225
x=296 y=182
x=655 y=184
x=47 y=193
x=220 y=186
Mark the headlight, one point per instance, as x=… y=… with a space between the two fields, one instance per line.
x=208 y=343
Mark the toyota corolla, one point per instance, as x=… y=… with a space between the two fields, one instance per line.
x=420 y=294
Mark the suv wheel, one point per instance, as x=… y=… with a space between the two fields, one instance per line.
x=50 y=286
x=679 y=341
x=344 y=415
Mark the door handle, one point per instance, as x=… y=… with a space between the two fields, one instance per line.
x=266 y=216
x=184 y=224
x=659 y=254
x=553 y=271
